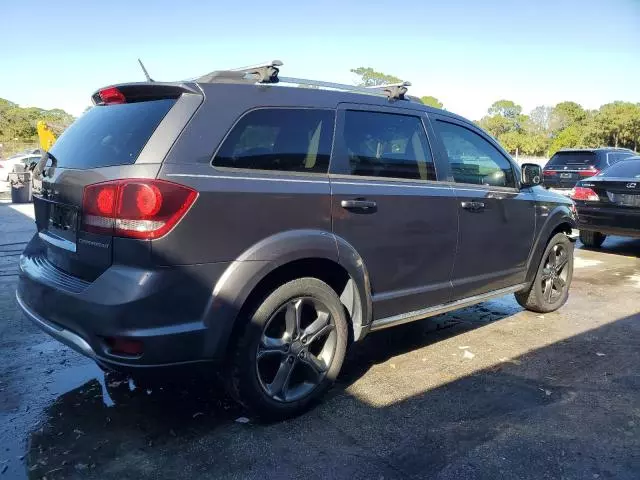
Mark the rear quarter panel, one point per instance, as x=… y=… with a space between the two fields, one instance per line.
x=237 y=209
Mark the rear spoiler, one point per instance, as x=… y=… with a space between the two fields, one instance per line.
x=144 y=91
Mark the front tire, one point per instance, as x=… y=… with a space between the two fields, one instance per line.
x=291 y=350
x=550 y=288
x=592 y=239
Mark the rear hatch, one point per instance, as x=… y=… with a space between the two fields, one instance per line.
x=126 y=135
x=565 y=169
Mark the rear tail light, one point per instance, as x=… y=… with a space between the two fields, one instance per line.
x=589 y=173
x=585 y=194
x=112 y=96
x=547 y=173
x=135 y=208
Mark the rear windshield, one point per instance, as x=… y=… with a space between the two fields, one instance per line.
x=572 y=158
x=623 y=169
x=110 y=135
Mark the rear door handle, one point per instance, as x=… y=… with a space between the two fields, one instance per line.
x=473 y=206
x=365 y=205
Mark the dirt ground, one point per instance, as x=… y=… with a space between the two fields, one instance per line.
x=489 y=392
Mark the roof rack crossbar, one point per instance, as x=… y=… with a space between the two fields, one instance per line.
x=260 y=73
x=393 y=90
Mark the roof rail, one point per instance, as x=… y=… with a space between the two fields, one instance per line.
x=260 y=73
x=393 y=91
x=268 y=73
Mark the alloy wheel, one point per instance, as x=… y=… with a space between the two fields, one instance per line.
x=296 y=349
x=554 y=274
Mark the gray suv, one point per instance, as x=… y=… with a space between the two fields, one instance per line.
x=234 y=222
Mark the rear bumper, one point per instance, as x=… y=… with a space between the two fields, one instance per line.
x=609 y=220
x=65 y=336
x=164 y=309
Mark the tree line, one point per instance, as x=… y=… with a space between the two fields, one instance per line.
x=542 y=132
x=18 y=124
x=546 y=129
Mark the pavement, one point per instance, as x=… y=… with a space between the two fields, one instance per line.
x=487 y=392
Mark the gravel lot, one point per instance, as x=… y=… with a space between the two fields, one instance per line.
x=489 y=392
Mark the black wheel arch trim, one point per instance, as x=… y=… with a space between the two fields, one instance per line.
x=243 y=275
x=559 y=216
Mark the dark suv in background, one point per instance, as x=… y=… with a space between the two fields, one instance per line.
x=233 y=221
x=568 y=166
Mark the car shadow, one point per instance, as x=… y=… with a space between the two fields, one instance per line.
x=379 y=347
x=628 y=247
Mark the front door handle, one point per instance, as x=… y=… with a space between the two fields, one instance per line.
x=473 y=206
x=363 y=205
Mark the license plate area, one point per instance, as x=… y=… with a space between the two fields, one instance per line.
x=63 y=218
x=57 y=221
x=624 y=199
x=566 y=175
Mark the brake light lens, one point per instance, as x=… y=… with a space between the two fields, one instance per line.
x=135 y=208
x=589 y=173
x=112 y=96
x=548 y=173
x=584 y=194
x=106 y=201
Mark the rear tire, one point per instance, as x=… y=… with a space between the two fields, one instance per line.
x=592 y=239
x=550 y=288
x=291 y=350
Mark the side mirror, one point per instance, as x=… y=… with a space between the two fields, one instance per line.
x=531 y=175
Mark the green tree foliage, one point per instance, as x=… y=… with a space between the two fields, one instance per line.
x=505 y=121
x=569 y=137
x=431 y=101
x=565 y=114
x=19 y=124
x=497 y=125
x=370 y=78
x=506 y=109
x=567 y=125
x=617 y=121
x=633 y=127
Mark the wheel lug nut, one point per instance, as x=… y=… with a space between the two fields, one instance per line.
x=286 y=347
x=304 y=339
x=290 y=359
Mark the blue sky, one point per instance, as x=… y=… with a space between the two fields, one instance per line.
x=468 y=53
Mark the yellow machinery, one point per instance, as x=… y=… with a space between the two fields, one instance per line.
x=46 y=136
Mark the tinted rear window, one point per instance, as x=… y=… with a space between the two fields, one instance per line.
x=623 y=169
x=572 y=158
x=110 y=135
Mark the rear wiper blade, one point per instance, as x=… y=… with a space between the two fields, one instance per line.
x=39 y=169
